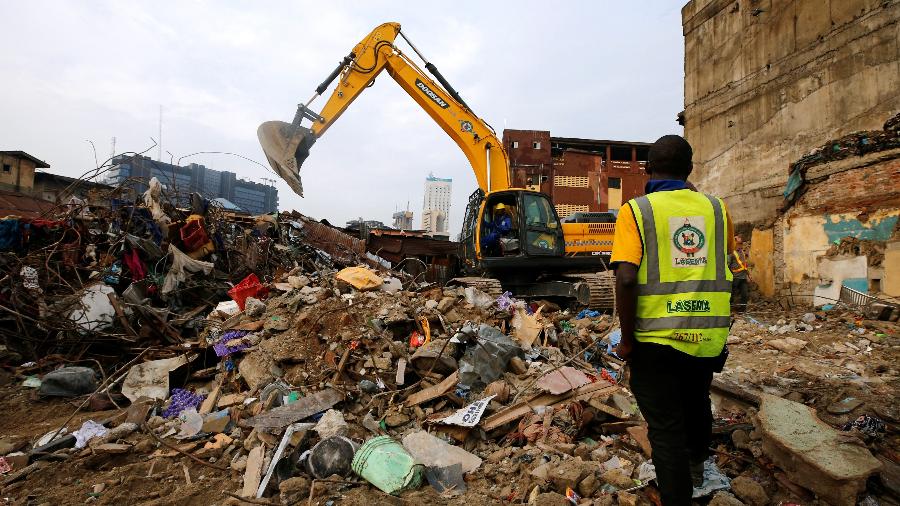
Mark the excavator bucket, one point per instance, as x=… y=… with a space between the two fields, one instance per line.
x=286 y=146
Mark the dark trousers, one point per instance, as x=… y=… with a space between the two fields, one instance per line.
x=672 y=390
x=740 y=293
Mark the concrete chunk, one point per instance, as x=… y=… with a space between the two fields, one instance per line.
x=832 y=464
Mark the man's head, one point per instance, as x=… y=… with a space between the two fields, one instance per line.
x=670 y=158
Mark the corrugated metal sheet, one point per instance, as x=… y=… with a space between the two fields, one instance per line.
x=22 y=205
x=333 y=241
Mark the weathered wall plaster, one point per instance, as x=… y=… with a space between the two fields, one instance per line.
x=762 y=266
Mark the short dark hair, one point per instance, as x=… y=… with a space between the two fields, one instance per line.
x=671 y=155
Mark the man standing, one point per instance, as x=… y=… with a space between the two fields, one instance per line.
x=739 y=288
x=673 y=291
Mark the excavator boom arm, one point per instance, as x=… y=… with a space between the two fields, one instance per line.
x=372 y=55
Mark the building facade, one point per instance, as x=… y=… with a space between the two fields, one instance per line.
x=17 y=171
x=403 y=220
x=436 y=205
x=766 y=81
x=180 y=182
x=791 y=108
x=434 y=223
x=59 y=189
x=580 y=175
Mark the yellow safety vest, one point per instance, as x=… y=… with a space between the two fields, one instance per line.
x=684 y=283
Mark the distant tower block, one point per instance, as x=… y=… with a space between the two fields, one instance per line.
x=436 y=206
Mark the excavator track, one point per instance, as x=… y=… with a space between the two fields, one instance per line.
x=489 y=286
x=603 y=289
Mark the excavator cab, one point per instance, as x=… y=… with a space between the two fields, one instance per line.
x=518 y=223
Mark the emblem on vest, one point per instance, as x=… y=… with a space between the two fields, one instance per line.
x=689 y=241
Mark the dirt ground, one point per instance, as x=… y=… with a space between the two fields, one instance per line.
x=838 y=361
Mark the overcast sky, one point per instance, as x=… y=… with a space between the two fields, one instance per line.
x=79 y=71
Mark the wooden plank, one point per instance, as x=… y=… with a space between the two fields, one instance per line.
x=433 y=392
x=121 y=315
x=282 y=416
x=210 y=402
x=732 y=390
x=254 y=470
x=401 y=372
x=519 y=409
x=599 y=405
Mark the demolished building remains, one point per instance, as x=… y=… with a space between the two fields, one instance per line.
x=791 y=108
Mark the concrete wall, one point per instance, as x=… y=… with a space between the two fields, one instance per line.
x=891 y=282
x=19 y=177
x=856 y=197
x=761 y=262
x=766 y=81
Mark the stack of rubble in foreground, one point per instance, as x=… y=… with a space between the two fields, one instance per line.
x=287 y=367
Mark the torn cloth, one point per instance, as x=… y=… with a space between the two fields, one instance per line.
x=182 y=265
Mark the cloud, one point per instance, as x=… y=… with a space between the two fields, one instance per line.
x=101 y=69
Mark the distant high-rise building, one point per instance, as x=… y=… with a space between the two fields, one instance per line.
x=436 y=208
x=180 y=182
x=434 y=221
x=403 y=220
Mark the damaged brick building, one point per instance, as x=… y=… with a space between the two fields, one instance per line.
x=786 y=105
x=580 y=175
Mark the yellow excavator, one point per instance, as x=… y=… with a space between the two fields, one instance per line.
x=512 y=238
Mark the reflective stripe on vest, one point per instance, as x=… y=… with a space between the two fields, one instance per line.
x=683 y=299
x=739 y=265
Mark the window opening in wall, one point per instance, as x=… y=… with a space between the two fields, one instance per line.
x=536 y=145
x=7 y=167
x=621 y=153
x=615 y=182
x=515 y=144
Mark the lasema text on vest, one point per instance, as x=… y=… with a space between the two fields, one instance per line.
x=687 y=306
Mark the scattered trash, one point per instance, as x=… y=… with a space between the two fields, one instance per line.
x=151 y=379
x=478 y=298
x=713 y=480
x=387 y=465
x=68 y=382
x=181 y=400
x=435 y=452
x=360 y=278
x=95 y=311
x=470 y=415
x=270 y=346
x=868 y=425
x=89 y=430
x=332 y=455
x=248 y=287
x=32 y=382
x=485 y=361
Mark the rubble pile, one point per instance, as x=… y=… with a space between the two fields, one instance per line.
x=290 y=368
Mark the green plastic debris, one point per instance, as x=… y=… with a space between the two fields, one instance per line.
x=386 y=464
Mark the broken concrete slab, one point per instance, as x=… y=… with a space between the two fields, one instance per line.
x=256 y=370
x=562 y=380
x=832 y=464
x=787 y=344
x=639 y=434
x=435 y=452
x=749 y=491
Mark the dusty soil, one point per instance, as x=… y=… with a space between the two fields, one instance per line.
x=838 y=361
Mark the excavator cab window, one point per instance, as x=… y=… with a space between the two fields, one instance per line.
x=500 y=226
x=543 y=235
